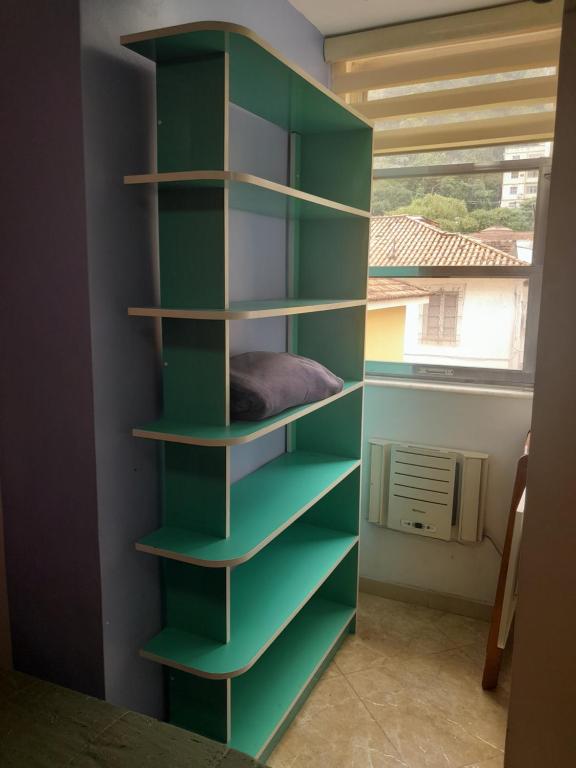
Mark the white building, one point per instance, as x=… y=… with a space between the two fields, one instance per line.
x=465 y=321
x=521 y=186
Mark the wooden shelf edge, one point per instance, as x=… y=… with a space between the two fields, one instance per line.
x=166 y=662
x=239 y=29
x=237 y=314
x=231 y=563
x=302 y=411
x=244 y=178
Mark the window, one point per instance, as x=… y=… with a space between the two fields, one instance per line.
x=454 y=266
x=513 y=190
x=514 y=174
x=441 y=317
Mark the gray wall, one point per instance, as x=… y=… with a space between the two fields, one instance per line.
x=47 y=460
x=541 y=725
x=118 y=93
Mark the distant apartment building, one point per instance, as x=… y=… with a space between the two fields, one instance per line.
x=521 y=186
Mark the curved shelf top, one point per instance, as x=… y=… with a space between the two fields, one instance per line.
x=249 y=192
x=184 y=41
x=249 y=310
x=262 y=505
x=239 y=431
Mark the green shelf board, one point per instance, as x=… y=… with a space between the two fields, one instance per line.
x=262 y=505
x=250 y=310
x=266 y=594
x=252 y=193
x=264 y=697
x=239 y=431
x=286 y=94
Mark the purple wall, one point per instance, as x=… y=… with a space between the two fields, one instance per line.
x=47 y=456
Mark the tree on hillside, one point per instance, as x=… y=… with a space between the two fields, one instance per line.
x=449 y=213
x=520 y=219
x=476 y=191
x=452 y=214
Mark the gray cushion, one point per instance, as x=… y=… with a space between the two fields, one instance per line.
x=263 y=384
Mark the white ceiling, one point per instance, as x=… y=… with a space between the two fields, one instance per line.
x=333 y=17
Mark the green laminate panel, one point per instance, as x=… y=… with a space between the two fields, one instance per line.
x=333 y=258
x=262 y=505
x=282 y=96
x=259 y=81
x=238 y=432
x=247 y=193
x=249 y=310
x=342 y=586
x=338 y=165
x=195 y=371
x=335 y=339
x=191 y=99
x=196 y=600
x=340 y=509
x=196 y=490
x=192 y=232
x=265 y=695
x=199 y=705
x=180 y=47
x=336 y=428
x=266 y=593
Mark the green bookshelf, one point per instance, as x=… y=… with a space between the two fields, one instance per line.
x=259 y=573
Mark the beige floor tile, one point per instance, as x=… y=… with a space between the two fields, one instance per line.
x=496 y=762
x=462 y=630
x=335 y=729
x=331 y=670
x=423 y=737
x=390 y=628
x=358 y=654
x=404 y=692
x=448 y=684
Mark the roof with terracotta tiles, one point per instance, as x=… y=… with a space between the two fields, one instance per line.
x=502 y=238
x=403 y=240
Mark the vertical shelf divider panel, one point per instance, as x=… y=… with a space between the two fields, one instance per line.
x=259 y=588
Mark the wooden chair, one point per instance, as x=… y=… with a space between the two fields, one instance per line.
x=499 y=632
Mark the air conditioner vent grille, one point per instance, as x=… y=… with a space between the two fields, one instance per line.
x=425 y=490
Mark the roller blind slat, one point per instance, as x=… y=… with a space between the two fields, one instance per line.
x=533 y=90
x=502 y=130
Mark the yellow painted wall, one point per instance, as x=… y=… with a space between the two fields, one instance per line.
x=385 y=334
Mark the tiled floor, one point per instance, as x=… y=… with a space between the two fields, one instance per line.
x=404 y=692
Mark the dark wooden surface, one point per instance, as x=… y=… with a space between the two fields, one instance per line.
x=45 y=726
x=493 y=652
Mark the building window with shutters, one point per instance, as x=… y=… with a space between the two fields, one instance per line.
x=441 y=316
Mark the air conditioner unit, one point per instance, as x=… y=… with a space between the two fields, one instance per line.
x=427 y=490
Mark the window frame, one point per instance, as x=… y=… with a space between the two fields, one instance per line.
x=533 y=272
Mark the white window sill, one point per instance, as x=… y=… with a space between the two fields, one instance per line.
x=439 y=386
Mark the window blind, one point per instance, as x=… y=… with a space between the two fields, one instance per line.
x=470 y=79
